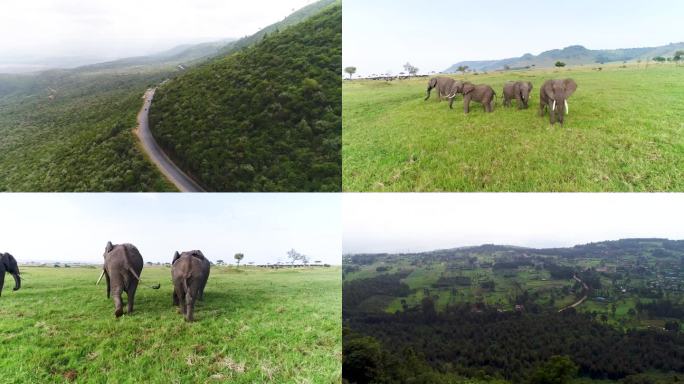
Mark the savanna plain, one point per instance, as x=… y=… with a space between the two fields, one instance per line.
x=624 y=132
x=254 y=325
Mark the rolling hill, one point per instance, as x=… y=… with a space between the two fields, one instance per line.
x=572 y=55
x=262 y=118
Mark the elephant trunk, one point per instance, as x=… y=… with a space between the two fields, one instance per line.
x=17 y=281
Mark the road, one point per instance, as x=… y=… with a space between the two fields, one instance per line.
x=174 y=174
x=580 y=301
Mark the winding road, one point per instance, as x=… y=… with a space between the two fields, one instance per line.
x=580 y=301
x=174 y=174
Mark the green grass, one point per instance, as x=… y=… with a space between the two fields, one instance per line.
x=254 y=326
x=625 y=132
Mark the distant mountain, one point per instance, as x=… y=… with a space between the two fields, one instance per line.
x=572 y=55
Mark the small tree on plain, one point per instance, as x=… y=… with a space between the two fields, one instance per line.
x=560 y=64
x=294 y=256
x=220 y=262
x=238 y=257
x=351 y=71
x=412 y=71
x=462 y=69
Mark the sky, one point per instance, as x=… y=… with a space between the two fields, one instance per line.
x=32 y=29
x=409 y=222
x=75 y=227
x=382 y=35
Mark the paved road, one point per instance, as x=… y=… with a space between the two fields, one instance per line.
x=580 y=301
x=182 y=181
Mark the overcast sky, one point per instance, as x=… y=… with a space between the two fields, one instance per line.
x=382 y=35
x=410 y=222
x=123 y=28
x=76 y=227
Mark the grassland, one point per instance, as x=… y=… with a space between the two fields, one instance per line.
x=625 y=132
x=254 y=326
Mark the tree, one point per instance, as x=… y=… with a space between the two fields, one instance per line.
x=659 y=59
x=220 y=262
x=412 y=71
x=295 y=256
x=462 y=68
x=350 y=71
x=558 y=370
x=238 y=257
x=560 y=64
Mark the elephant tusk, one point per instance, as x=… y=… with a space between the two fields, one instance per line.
x=567 y=109
x=553 y=108
x=134 y=274
x=98 y=280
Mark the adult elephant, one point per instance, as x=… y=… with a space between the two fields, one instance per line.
x=518 y=90
x=444 y=86
x=481 y=93
x=189 y=272
x=553 y=96
x=122 y=267
x=8 y=264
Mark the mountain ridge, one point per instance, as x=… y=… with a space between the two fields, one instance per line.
x=573 y=55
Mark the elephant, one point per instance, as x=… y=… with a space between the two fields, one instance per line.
x=444 y=86
x=481 y=93
x=554 y=96
x=122 y=267
x=9 y=264
x=519 y=90
x=189 y=272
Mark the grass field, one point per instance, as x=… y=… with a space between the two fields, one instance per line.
x=625 y=132
x=254 y=326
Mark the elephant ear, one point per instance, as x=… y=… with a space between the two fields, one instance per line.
x=176 y=256
x=467 y=88
x=109 y=247
x=570 y=87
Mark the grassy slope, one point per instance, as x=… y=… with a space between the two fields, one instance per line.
x=624 y=133
x=264 y=119
x=80 y=141
x=254 y=326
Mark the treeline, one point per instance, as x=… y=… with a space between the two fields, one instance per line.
x=267 y=118
x=356 y=291
x=494 y=345
x=662 y=308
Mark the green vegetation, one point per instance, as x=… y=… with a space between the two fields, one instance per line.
x=255 y=325
x=267 y=118
x=71 y=130
x=502 y=313
x=624 y=133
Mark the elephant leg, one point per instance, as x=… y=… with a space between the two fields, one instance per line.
x=190 y=304
x=181 y=301
x=108 y=285
x=520 y=102
x=118 y=303
x=428 y=93
x=131 y=295
x=466 y=104
x=542 y=105
x=175 y=297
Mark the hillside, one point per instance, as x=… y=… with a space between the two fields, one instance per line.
x=266 y=118
x=572 y=55
x=502 y=313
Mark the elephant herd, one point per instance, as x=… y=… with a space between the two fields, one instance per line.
x=553 y=95
x=123 y=265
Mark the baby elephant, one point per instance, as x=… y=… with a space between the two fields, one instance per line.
x=481 y=93
x=189 y=271
x=519 y=90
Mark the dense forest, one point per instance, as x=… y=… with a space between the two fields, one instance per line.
x=265 y=118
x=71 y=130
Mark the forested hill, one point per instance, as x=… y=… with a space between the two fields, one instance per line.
x=267 y=118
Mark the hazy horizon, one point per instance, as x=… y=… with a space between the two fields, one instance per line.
x=410 y=223
x=381 y=36
x=86 y=32
x=75 y=227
